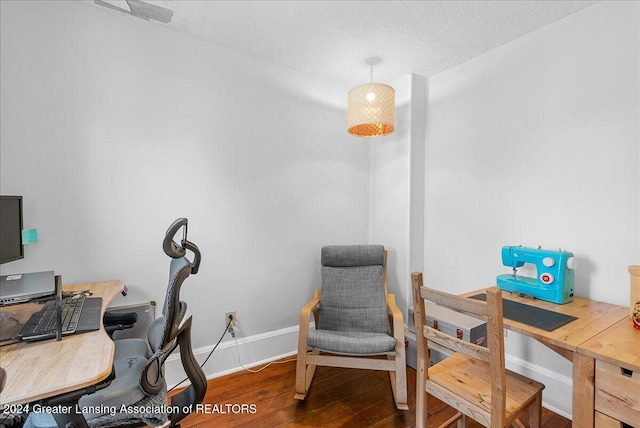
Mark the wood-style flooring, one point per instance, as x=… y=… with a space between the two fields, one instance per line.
x=338 y=398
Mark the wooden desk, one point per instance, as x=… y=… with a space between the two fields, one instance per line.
x=44 y=369
x=610 y=363
x=593 y=318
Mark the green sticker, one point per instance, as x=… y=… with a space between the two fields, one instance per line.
x=29 y=236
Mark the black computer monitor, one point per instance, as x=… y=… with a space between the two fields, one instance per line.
x=11 y=247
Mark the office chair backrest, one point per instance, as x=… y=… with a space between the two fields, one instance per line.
x=162 y=332
x=353 y=297
x=180 y=269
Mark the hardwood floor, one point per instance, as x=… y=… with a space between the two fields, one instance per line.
x=338 y=398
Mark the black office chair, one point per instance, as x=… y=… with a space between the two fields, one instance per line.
x=138 y=364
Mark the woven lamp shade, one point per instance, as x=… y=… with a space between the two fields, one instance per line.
x=371 y=110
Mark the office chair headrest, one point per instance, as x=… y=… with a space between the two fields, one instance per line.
x=175 y=251
x=170 y=247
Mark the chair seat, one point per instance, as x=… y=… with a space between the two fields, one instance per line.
x=351 y=342
x=471 y=380
x=124 y=389
x=126 y=348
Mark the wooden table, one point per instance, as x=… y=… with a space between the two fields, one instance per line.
x=610 y=363
x=44 y=369
x=593 y=318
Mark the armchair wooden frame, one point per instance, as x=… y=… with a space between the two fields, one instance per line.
x=308 y=358
x=473 y=380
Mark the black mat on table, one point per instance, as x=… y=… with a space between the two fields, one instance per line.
x=535 y=317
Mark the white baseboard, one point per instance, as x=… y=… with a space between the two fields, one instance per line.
x=254 y=351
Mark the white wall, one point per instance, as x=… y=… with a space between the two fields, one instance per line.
x=537 y=143
x=112 y=127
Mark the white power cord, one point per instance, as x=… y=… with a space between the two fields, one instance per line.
x=233 y=334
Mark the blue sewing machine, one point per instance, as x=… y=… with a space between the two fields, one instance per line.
x=555 y=273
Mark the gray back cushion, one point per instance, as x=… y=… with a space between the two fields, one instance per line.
x=353 y=297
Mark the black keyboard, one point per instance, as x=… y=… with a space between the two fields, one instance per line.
x=42 y=324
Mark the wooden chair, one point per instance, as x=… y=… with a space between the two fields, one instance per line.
x=473 y=380
x=357 y=322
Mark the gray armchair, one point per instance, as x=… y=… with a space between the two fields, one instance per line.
x=356 y=320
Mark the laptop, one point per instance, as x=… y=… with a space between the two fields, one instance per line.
x=23 y=287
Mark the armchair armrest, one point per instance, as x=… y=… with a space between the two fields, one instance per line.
x=305 y=314
x=396 y=319
x=311 y=307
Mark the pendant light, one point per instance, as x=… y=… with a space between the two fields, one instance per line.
x=371 y=108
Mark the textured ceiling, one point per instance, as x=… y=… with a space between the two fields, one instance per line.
x=333 y=39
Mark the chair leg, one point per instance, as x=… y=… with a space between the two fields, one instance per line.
x=462 y=422
x=421 y=396
x=304 y=375
x=535 y=411
x=301 y=368
x=398 y=380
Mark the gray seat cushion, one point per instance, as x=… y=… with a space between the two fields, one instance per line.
x=351 y=342
x=124 y=389
x=130 y=348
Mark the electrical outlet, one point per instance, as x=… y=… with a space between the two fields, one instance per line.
x=232 y=315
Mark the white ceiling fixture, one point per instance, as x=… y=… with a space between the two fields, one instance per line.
x=330 y=38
